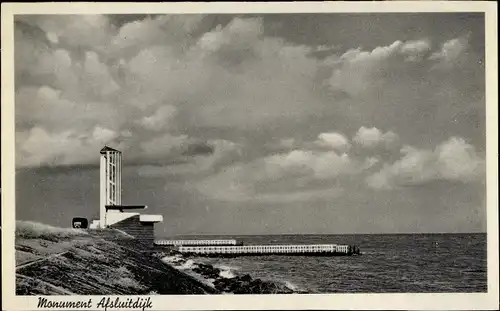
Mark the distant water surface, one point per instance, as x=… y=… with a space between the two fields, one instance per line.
x=408 y=263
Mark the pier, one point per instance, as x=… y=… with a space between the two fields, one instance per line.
x=258 y=250
x=196 y=242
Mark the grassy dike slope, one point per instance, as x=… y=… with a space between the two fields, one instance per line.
x=59 y=261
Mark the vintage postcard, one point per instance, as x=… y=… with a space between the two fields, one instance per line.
x=250 y=156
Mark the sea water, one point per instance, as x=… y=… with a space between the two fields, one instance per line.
x=409 y=263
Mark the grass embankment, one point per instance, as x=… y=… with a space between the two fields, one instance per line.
x=58 y=261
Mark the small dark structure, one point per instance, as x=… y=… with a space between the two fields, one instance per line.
x=80 y=223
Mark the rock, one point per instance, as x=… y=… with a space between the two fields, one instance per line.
x=246 y=278
x=246 y=285
x=235 y=286
x=207 y=271
x=221 y=285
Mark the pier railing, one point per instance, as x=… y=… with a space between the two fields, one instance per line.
x=194 y=242
x=319 y=249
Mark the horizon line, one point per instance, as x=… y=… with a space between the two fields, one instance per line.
x=382 y=233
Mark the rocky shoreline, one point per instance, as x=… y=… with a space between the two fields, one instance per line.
x=107 y=262
x=229 y=284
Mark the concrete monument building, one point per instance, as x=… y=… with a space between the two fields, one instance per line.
x=112 y=213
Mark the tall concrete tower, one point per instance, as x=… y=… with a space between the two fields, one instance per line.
x=110 y=182
x=112 y=213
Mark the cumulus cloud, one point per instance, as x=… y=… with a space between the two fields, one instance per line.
x=415 y=50
x=249 y=77
x=159 y=82
x=454 y=160
x=204 y=158
x=372 y=137
x=80 y=31
x=50 y=108
x=450 y=52
x=355 y=68
x=287 y=143
x=42 y=148
x=97 y=77
x=275 y=179
x=320 y=164
x=224 y=153
x=358 y=71
x=52 y=37
x=360 y=57
x=297 y=174
x=333 y=140
x=370 y=162
x=238 y=36
x=74 y=75
x=459 y=161
x=153 y=31
x=165 y=145
x=163 y=117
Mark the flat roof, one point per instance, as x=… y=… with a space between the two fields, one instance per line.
x=122 y=207
x=107 y=148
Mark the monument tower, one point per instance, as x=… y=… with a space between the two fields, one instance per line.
x=110 y=181
x=112 y=213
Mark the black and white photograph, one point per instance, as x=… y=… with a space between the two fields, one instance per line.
x=250 y=153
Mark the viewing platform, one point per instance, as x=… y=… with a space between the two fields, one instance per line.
x=258 y=250
x=196 y=242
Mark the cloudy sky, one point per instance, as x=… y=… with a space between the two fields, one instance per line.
x=248 y=124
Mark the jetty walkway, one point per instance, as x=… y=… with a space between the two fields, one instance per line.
x=258 y=250
x=231 y=248
x=196 y=242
